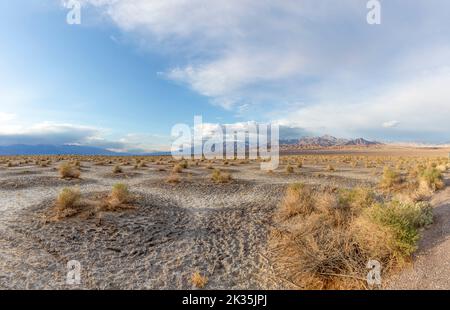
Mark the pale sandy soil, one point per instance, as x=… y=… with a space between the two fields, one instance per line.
x=219 y=230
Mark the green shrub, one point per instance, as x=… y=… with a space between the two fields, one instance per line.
x=390 y=178
x=404 y=219
x=432 y=178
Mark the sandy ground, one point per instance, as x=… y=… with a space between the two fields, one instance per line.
x=430 y=269
x=219 y=230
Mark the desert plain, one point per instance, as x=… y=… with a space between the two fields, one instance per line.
x=219 y=224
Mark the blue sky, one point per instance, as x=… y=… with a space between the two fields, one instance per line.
x=135 y=68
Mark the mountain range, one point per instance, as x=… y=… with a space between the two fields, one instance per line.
x=326 y=141
x=305 y=142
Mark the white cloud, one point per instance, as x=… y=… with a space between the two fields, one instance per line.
x=48 y=133
x=390 y=124
x=227 y=78
x=420 y=104
x=226 y=49
x=350 y=77
x=5 y=117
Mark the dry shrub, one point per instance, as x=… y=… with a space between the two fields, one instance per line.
x=68 y=198
x=298 y=199
x=198 y=280
x=11 y=164
x=173 y=179
x=120 y=193
x=220 y=177
x=177 y=168
x=117 y=169
x=432 y=179
x=390 y=179
x=442 y=168
x=324 y=240
x=330 y=168
x=70 y=203
x=118 y=199
x=67 y=171
x=289 y=169
x=67 y=202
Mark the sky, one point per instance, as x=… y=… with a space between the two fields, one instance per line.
x=134 y=68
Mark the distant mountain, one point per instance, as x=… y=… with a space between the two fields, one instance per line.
x=362 y=142
x=326 y=141
x=323 y=141
x=21 y=149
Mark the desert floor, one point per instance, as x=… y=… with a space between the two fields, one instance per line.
x=219 y=230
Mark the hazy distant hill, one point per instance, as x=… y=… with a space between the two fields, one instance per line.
x=326 y=141
x=305 y=142
x=21 y=149
x=362 y=141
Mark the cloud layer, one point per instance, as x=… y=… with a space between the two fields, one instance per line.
x=48 y=133
x=316 y=64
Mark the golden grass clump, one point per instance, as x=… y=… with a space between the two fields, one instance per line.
x=173 y=179
x=120 y=193
x=324 y=240
x=118 y=199
x=68 y=171
x=198 y=280
x=289 y=168
x=68 y=198
x=178 y=168
x=220 y=177
x=298 y=199
x=67 y=202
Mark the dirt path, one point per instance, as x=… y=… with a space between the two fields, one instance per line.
x=431 y=266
